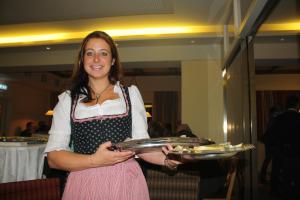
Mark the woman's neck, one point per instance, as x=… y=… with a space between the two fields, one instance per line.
x=99 y=85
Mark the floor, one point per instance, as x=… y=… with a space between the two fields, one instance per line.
x=264 y=192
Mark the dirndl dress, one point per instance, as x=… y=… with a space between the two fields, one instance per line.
x=122 y=181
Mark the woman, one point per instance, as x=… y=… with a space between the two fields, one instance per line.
x=95 y=113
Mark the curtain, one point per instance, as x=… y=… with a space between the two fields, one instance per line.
x=165 y=108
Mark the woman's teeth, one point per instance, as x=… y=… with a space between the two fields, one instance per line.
x=97 y=67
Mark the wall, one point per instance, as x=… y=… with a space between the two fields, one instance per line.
x=25 y=103
x=27 y=98
x=149 y=84
x=202 y=100
x=277 y=82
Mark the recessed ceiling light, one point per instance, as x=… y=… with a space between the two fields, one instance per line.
x=48 y=48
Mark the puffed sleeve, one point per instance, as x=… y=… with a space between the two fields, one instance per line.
x=60 y=131
x=139 y=119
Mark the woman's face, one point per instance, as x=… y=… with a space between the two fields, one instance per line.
x=97 y=58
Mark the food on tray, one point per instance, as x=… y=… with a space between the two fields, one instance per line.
x=215 y=148
x=197 y=149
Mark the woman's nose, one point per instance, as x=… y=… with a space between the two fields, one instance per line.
x=96 y=57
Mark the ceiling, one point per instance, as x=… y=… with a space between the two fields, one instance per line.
x=77 y=17
x=33 y=11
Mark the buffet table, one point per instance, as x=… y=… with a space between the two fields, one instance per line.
x=23 y=162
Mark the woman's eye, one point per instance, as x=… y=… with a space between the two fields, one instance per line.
x=89 y=53
x=103 y=53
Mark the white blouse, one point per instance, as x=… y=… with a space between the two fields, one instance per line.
x=60 y=132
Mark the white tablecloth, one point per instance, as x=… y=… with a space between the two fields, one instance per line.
x=20 y=163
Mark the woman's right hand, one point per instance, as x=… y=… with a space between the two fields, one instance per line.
x=105 y=157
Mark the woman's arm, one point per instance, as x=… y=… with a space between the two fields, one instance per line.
x=70 y=161
x=160 y=158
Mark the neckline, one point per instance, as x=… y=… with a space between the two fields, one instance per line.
x=102 y=117
x=98 y=95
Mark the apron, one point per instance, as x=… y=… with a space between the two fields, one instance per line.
x=120 y=181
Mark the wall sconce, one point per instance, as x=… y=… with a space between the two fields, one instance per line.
x=148 y=114
x=49 y=113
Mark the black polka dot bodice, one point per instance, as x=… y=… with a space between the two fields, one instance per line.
x=87 y=134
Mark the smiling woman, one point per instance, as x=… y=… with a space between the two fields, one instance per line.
x=96 y=112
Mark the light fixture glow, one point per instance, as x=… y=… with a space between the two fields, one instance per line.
x=160 y=30
x=33 y=38
x=28 y=38
x=148 y=114
x=223 y=73
x=49 y=113
x=293 y=26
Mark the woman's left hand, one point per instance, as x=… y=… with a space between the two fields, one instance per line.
x=171 y=164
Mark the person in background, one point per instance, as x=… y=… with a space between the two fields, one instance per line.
x=96 y=112
x=266 y=139
x=285 y=128
x=155 y=129
x=42 y=128
x=183 y=130
x=29 y=130
x=167 y=130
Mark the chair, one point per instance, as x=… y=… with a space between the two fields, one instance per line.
x=164 y=184
x=177 y=186
x=229 y=182
x=45 y=189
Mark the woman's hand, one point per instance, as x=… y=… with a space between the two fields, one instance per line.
x=171 y=164
x=105 y=157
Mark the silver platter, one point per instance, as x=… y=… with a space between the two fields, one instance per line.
x=208 y=153
x=155 y=144
x=195 y=156
x=28 y=140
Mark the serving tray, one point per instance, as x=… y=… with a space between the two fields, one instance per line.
x=208 y=152
x=21 y=141
x=155 y=144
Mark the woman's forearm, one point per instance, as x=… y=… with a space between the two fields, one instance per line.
x=160 y=158
x=157 y=158
x=68 y=161
x=74 y=161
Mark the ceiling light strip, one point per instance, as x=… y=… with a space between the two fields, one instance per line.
x=7 y=40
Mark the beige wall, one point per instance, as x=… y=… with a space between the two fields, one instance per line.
x=276 y=50
x=277 y=82
x=25 y=103
x=149 y=84
x=202 y=98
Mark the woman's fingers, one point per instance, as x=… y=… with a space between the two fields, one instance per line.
x=122 y=156
x=105 y=145
x=167 y=148
x=104 y=157
x=172 y=164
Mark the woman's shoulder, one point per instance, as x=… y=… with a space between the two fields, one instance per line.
x=132 y=89
x=64 y=95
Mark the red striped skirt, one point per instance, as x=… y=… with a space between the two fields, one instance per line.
x=123 y=181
